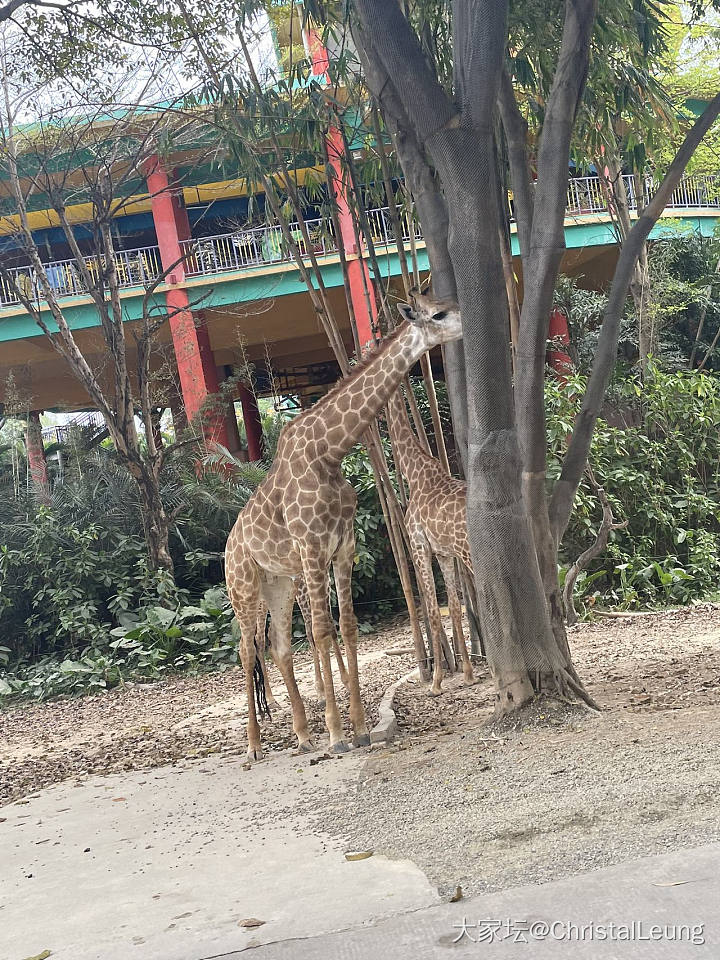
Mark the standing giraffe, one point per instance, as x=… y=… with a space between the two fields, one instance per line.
x=300 y=520
x=436 y=521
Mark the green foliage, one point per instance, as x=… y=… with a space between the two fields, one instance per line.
x=684 y=290
x=150 y=641
x=662 y=476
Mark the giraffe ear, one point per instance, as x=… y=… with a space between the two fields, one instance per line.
x=407 y=313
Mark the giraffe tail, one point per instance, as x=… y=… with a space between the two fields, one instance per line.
x=261 y=703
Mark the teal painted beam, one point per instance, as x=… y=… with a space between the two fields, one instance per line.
x=261 y=284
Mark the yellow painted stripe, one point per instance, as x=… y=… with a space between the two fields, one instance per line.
x=140 y=203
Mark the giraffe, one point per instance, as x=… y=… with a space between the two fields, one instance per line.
x=303 y=601
x=436 y=521
x=299 y=521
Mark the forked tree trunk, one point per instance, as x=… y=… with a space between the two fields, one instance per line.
x=513 y=613
x=156 y=524
x=520 y=604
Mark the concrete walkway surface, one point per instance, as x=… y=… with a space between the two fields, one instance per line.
x=659 y=908
x=167 y=864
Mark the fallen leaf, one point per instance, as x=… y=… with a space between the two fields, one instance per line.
x=118 y=799
x=251 y=922
x=358 y=854
x=458 y=895
x=40 y=956
x=672 y=883
x=316 y=760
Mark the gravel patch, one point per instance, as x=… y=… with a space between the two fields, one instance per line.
x=552 y=793
x=559 y=791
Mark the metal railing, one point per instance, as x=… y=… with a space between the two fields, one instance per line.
x=587 y=194
x=133 y=267
x=61 y=431
x=254 y=247
x=257 y=246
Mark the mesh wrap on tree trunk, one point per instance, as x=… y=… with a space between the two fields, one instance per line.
x=511 y=599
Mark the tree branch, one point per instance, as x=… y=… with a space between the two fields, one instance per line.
x=515 y=127
x=607 y=525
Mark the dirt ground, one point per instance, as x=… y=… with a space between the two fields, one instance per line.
x=561 y=791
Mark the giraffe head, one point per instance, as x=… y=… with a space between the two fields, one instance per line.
x=438 y=320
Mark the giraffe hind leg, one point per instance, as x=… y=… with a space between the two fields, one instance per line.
x=447 y=567
x=244 y=592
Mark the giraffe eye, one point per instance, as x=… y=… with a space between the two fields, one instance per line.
x=440 y=315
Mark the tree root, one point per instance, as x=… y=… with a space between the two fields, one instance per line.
x=567 y=680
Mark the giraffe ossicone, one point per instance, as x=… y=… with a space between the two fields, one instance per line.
x=299 y=522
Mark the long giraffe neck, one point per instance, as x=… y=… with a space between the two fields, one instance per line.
x=349 y=409
x=407 y=446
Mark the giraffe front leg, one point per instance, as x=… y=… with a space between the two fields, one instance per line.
x=279 y=594
x=342 y=568
x=303 y=602
x=447 y=566
x=422 y=559
x=316 y=581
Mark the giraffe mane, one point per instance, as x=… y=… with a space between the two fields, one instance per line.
x=359 y=367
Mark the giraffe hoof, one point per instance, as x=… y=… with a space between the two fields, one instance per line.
x=469 y=681
x=435 y=692
x=361 y=740
x=254 y=754
x=339 y=747
x=307 y=746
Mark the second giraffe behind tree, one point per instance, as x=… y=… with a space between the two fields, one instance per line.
x=436 y=521
x=299 y=521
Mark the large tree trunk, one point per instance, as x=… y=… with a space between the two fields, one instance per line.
x=513 y=612
x=156 y=524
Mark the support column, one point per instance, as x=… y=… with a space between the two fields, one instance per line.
x=358 y=273
x=196 y=368
x=253 y=423
x=37 y=460
x=559 y=335
x=234 y=444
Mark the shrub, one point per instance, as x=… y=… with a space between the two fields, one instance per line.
x=662 y=476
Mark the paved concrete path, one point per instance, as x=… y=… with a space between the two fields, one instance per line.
x=660 y=908
x=164 y=865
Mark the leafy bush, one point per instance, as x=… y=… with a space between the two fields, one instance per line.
x=662 y=476
x=150 y=641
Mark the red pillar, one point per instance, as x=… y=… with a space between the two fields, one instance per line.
x=36 y=454
x=196 y=368
x=252 y=421
x=559 y=334
x=234 y=444
x=358 y=273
